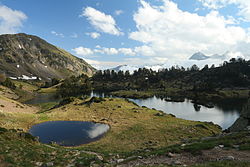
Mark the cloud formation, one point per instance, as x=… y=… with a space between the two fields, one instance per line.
x=82 y=51
x=175 y=34
x=94 y=35
x=10 y=20
x=119 y=12
x=101 y=21
x=243 y=5
x=57 y=34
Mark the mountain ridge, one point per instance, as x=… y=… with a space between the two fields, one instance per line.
x=29 y=55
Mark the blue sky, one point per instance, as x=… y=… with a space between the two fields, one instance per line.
x=108 y=33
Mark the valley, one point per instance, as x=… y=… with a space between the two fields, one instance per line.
x=170 y=117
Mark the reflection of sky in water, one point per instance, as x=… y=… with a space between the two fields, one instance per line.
x=186 y=110
x=97 y=130
x=69 y=133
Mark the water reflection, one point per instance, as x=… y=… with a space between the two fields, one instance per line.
x=68 y=133
x=97 y=130
x=186 y=110
x=43 y=98
x=225 y=113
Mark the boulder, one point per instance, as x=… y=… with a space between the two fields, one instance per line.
x=243 y=122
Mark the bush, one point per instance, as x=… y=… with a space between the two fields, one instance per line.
x=74 y=86
x=8 y=83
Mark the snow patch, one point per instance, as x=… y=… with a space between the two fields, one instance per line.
x=25 y=77
x=14 y=78
x=18 y=66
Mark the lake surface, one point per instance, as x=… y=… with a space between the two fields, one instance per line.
x=69 y=133
x=43 y=98
x=224 y=113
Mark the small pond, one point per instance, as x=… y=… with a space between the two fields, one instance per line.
x=69 y=133
x=43 y=98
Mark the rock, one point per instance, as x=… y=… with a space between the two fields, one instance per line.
x=227 y=158
x=172 y=115
x=159 y=114
x=39 y=163
x=246 y=110
x=183 y=145
x=243 y=122
x=176 y=162
x=119 y=160
x=140 y=157
x=221 y=146
x=239 y=125
x=171 y=155
x=50 y=164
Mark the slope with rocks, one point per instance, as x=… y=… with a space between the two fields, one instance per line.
x=23 y=55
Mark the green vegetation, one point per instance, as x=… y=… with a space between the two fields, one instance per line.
x=74 y=86
x=18 y=148
x=133 y=94
x=230 y=80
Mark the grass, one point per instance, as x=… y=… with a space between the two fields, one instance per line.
x=25 y=85
x=133 y=94
x=18 y=149
x=132 y=127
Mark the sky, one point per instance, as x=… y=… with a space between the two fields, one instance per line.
x=108 y=33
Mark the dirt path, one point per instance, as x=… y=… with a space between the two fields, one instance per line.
x=216 y=154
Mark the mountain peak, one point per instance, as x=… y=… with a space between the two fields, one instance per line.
x=22 y=54
x=198 y=56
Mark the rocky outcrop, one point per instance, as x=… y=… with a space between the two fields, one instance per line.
x=27 y=55
x=242 y=123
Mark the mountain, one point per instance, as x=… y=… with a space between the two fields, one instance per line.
x=199 y=56
x=124 y=68
x=27 y=56
x=131 y=69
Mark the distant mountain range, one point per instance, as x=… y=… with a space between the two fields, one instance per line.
x=131 y=69
x=28 y=57
x=198 y=58
x=202 y=56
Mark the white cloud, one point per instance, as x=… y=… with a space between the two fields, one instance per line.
x=102 y=64
x=243 y=5
x=82 y=51
x=10 y=20
x=57 y=34
x=119 y=12
x=171 y=33
x=127 y=51
x=101 y=21
x=94 y=35
x=144 y=50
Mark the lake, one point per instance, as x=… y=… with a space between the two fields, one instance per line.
x=69 y=133
x=43 y=98
x=225 y=113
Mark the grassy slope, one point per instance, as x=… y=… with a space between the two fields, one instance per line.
x=132 y=127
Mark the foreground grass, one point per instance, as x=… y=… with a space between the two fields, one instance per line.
x=19 y=149
x=215 y=164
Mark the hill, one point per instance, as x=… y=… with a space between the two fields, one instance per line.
x=28 y=56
